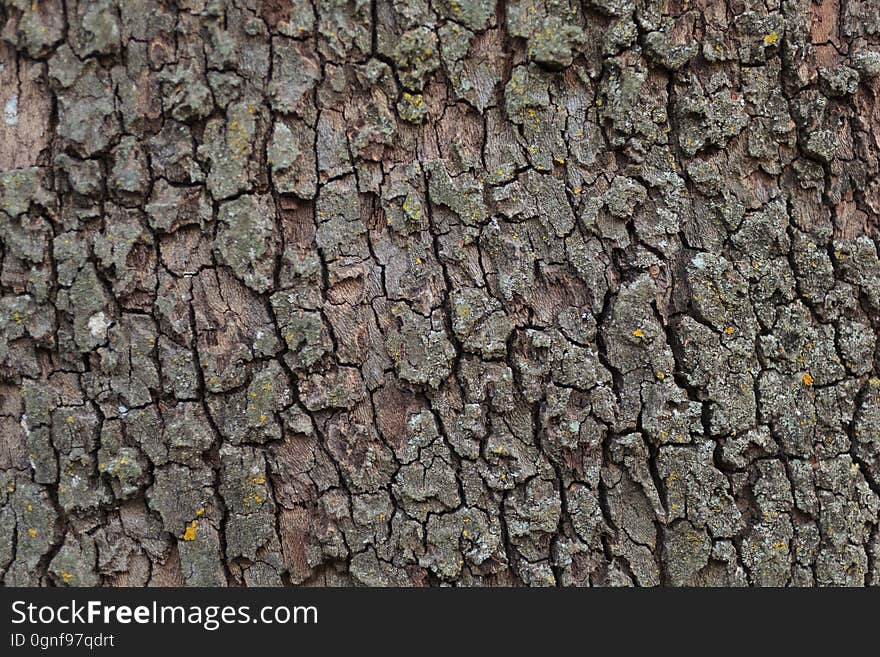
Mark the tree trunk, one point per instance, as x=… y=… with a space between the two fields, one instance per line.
x=540 y=292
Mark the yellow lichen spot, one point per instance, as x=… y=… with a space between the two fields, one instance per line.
x=267 y=387
x=781 y=546
x=577 y=191
x=258 y=499
x=638 y=333
x=729 y=330
x=464 y=533
x=382 y=517
x=660 y=375
x=807 y=378
x=263 y=418
x=67 y=577
x=190 y=533
x=200 y=512
x=259 y=480
x=770 y=39
x=32 y=532
x=70 y=419
x=418 y=260
x=30 y=507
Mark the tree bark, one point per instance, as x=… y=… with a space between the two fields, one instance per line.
x=540 y=292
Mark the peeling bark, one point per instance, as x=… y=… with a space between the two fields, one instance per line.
x=540 y=292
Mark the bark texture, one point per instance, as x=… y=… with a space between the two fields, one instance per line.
x=425 y=292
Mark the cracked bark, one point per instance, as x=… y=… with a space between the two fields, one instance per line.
x=463 y=292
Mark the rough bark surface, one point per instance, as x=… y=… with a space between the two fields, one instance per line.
x=539 y=292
